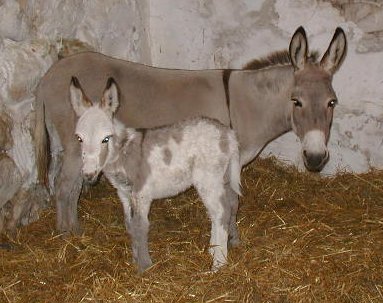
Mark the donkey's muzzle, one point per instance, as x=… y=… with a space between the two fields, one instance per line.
x=315 y=161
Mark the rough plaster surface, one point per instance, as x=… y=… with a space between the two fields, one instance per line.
x=22 y=64
x=118 y=28
x=221 y=34
x=34 y=33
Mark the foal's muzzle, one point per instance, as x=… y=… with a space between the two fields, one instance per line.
x=90 y=178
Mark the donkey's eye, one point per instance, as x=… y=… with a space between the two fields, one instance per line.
x=296 y=102
x=79 y=139
x=332 y=103
x=106 y=139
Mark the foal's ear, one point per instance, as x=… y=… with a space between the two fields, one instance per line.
x=110 y=100
x=298 y=49
x=336 y=52
x=80 y=102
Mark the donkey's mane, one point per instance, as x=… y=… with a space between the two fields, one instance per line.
x=277 y=58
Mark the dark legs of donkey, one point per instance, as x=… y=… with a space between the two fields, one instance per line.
x=68 y=189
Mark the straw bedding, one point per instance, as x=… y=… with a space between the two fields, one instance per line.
x=305 y=238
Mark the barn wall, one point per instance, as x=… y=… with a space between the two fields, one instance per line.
x=225 y=33
x=34 y=34
x=191 y=34
x=22 y=64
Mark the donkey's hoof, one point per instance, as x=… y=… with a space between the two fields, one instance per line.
x=66 y=231
x=77 y=230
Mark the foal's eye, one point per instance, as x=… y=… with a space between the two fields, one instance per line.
x=332 y=103
x=296 y=102
x=79 y=139
x=106 y=139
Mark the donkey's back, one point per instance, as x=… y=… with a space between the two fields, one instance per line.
x=157 y=96
x=149 y=96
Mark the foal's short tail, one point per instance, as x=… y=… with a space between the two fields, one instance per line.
x=235 y=170
x=41 y=143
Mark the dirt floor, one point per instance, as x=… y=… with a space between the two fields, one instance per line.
x=304 y=239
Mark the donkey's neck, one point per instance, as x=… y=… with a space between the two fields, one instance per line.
x=276 y=85
x=261 y=109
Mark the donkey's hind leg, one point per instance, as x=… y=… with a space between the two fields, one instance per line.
x=68 y=189
x=216 y=202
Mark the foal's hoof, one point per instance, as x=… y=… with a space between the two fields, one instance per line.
x=7 y=246
x=217 y=265
x=234 y=242
x=144 y=265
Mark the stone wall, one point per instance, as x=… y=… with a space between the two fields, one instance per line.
x=34 y=34
x=22 y=64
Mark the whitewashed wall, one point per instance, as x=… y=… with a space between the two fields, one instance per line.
x=227 y=34
x=190 y=34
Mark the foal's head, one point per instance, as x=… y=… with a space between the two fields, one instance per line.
x=95 y=127
x=313 y=97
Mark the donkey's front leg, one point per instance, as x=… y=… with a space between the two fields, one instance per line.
x=68 y=189
x=136 y=218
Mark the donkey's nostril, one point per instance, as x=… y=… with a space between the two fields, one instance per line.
x=305 y=153
x=315 y=161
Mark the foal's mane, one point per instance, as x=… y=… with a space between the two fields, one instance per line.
x=277 y=58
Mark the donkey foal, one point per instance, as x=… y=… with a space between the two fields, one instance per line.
x=147 y=164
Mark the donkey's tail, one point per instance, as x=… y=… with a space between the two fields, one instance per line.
x=235 y=169
x=41 y=143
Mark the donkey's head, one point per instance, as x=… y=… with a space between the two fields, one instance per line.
x=95 y=128
x=313 y=97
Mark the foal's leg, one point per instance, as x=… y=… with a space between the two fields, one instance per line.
x=125 y=197
x=138 y=227
x=68 y=189
x=232 y=200
x=213 y=197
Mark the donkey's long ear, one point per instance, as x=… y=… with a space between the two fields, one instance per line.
x=80 y=102
x=298 y=49
x=335 y=53
x=110 y=100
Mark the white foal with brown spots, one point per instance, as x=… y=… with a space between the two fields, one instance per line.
x=147 y=164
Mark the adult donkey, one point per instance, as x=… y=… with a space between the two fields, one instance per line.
x=286 y=91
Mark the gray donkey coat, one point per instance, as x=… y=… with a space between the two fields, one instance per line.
x=286 y=91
